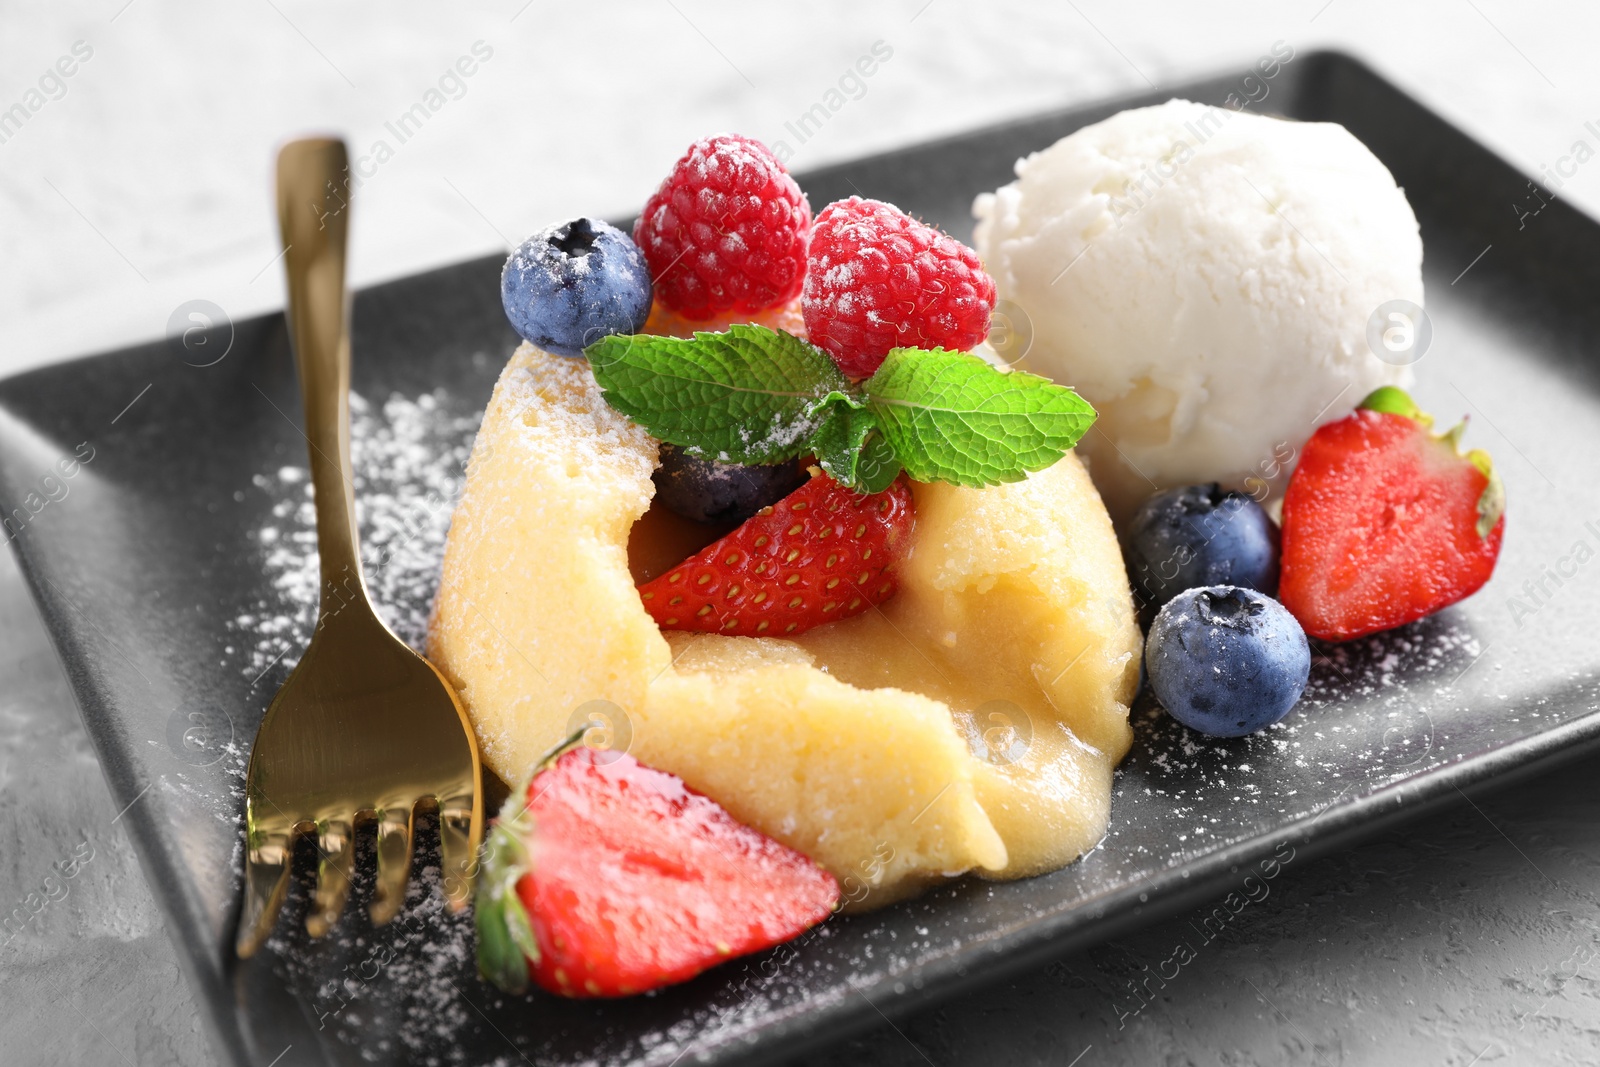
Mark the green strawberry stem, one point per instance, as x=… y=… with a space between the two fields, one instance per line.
x=506 y=945
x=1492 y=502
x=1392 y=401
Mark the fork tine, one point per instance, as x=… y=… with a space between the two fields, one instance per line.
x=394 y=863
x=460 y=834
x=356 y=678
x=266 y=881
x=335 y=851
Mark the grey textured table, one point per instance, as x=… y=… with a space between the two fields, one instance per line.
x=1470 y=937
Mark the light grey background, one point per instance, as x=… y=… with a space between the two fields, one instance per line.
x=1470 y=938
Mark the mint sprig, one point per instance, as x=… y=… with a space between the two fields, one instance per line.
x=951 y=417
x=754 y=395
x=745 y=396
x=850 y=446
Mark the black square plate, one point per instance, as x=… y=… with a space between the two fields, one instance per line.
x=136 y=485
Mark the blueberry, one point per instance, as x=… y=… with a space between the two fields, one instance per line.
x=566 y=287
x=1200 y=535
x=1227 y=661
x=708 y=491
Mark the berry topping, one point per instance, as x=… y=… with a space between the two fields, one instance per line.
x=726 y=231
x=607 y=878
x=708 y=491
x=822 y=553
x=878 y=279
x=568 y=286
x=1200 y=535
x=1385 y=522
x=1226 y=661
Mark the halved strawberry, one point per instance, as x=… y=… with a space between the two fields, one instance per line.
x=1385 y=522
x=822 y=553
x=606 y=878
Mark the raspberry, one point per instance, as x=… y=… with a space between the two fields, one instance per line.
x=878 y=279
x=726 y=231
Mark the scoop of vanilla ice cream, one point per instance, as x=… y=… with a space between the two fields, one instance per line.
x=1204 y=277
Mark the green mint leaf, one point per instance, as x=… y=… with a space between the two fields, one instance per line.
x=951 y=417
x=878 y=466
x=843 y=423
x=750 y=395
x=850 y=446
x=754 y=395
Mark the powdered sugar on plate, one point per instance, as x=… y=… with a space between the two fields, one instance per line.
x=409 y=460
x=1376 y=711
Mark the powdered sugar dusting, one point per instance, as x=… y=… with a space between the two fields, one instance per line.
x=1376 y=711
x=409 y=459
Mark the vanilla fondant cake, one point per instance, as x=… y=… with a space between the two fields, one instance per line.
x=862 y=743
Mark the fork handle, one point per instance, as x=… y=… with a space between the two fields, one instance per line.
x=314 y=216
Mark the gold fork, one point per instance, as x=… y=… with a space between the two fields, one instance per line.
x=364 y=727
